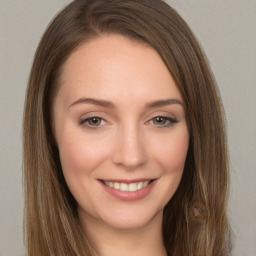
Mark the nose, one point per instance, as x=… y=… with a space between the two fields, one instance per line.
x=129 y=148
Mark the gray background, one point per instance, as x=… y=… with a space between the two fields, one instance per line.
x=225 y=29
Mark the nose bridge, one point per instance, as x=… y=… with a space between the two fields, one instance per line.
x=129 y=150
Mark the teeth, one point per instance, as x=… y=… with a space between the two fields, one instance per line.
x=124 y=187
x=132 y=187
x=116 y=185
x=140 y=185
x=127 y=187
x=145 y=183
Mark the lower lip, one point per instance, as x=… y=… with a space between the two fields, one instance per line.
x=129 y=195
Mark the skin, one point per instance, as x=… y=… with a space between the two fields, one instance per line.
x=127 y=142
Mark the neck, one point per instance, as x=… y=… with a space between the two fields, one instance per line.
x=111 y=241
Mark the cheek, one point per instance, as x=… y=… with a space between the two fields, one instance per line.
x=171 y=152
x=171 y=158
x=80 y=157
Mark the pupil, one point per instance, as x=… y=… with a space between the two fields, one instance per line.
x=94 y=121
x=160 y=119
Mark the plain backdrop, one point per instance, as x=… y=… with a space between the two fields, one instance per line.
x=227 y=32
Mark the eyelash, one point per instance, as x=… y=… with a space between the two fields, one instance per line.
x=169 y=121
x=93 y=127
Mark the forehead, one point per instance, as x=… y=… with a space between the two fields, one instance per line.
x=113 y=67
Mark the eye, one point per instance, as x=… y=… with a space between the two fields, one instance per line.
x=163 y=121
x=92 y=122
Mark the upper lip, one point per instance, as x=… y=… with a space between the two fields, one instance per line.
x=128 y=181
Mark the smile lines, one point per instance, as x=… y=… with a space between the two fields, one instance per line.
x=127 y=187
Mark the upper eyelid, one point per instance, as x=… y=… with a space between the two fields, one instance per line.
x=162 y=114
x=84 y=119
x=174 y=113
x=146 y=113
x=92 y=114
x=108 y=117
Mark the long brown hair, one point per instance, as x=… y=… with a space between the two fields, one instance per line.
x=195 y=219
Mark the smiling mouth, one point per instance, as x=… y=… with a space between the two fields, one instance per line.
x=127 y=187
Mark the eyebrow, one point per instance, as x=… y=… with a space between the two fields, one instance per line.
x=162 y=103
x=102 y=103
x=109 y=104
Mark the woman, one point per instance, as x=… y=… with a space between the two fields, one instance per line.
x=124 y=139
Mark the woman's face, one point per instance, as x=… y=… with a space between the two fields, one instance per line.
x=121 y=131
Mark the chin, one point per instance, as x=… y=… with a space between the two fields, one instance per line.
x=130 y=219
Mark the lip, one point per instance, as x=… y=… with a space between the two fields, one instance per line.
x=129 y=195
